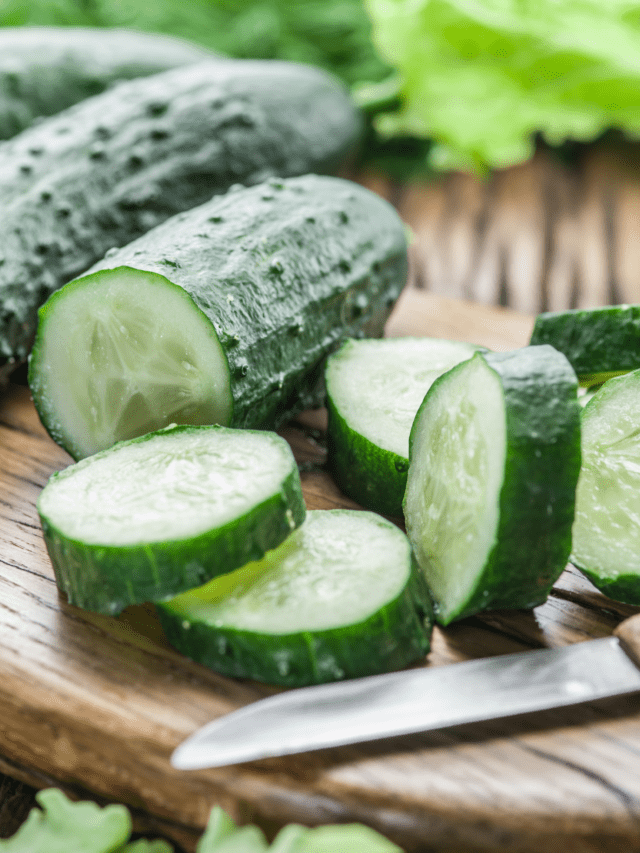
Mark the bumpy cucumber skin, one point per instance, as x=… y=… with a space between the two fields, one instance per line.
x=394 y=637
x=106 y=579
x=112 y=167
x=285 y=271
x=377 y=480
x=537 y=498
x=44 y=70
x=596 y=341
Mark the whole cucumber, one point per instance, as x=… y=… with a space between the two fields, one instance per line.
x=107 y=170
x=223 y=314
x=44 y=70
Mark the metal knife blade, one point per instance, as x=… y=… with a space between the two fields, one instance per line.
x=411 y=701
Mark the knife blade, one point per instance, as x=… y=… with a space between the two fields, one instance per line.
x=417 y=700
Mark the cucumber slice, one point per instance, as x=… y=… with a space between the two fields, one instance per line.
x=606 y=530
x=599 y=342
x=374 y=389
x=341 y=597
x=493 y=465
x=165 y=512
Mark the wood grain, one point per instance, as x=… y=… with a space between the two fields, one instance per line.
x=97 y=704
x=543 y=235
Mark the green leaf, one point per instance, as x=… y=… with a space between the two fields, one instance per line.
x=63 y=826
x=353 y=837
x=483 y=77
x=219 y=827
x=143 y=845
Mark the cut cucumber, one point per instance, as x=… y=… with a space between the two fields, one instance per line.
x=599 y=342
x=374 y=389
x=340 y=598
x=493 y=465
x=606 y=530
x=166 y=512
x=222 y=314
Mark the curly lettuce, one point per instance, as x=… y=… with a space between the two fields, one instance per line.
x=483 y=77
x=62 y=826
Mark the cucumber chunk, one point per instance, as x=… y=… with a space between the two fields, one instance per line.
x=223 y=314
x=342 y=597
x=493 y=464
x=165 y=512
x=599 y=342
x=374 y=389
x=606 y=530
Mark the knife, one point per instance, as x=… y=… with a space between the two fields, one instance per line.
x=417 y=700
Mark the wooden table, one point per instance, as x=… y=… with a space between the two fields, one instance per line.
x=96 y=704
x=542 y=236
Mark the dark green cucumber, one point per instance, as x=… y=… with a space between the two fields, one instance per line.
x=341 y=598
x=223 y=314
x=166 y=512
x=606 y=530
x=493 y=466
x=44 y=70
x=374 y=389
x=599 y=342
x=114 y=166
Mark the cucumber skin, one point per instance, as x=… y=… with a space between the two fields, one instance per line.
x=379 y=484
x=283 y=278
x=392 y=638
x=532 y=544
x=112 y=167
x=596 y=341
x=107 y=579
x=44 y=70
x=625 y=587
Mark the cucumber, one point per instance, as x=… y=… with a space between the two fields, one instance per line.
x=166 y=512
x=374 y=389
x=494 y=460
x=606 y=530
x=114 y=166
x=340 y=598
x=599 y=342
x=44 y=70
x=223 y=314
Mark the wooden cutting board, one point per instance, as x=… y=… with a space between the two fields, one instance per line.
x=96 y=704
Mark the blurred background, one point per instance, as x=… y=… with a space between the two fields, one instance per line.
x=504 y=131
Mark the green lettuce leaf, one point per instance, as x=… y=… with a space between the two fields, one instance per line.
x=483 y=77
x=62 y=826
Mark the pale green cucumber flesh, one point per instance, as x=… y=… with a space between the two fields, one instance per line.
x=454 y=482
x=165 y=512
x=374 y=389
x=606 y=530
x=493 y=466
x=340 y=598
x=109 y=368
